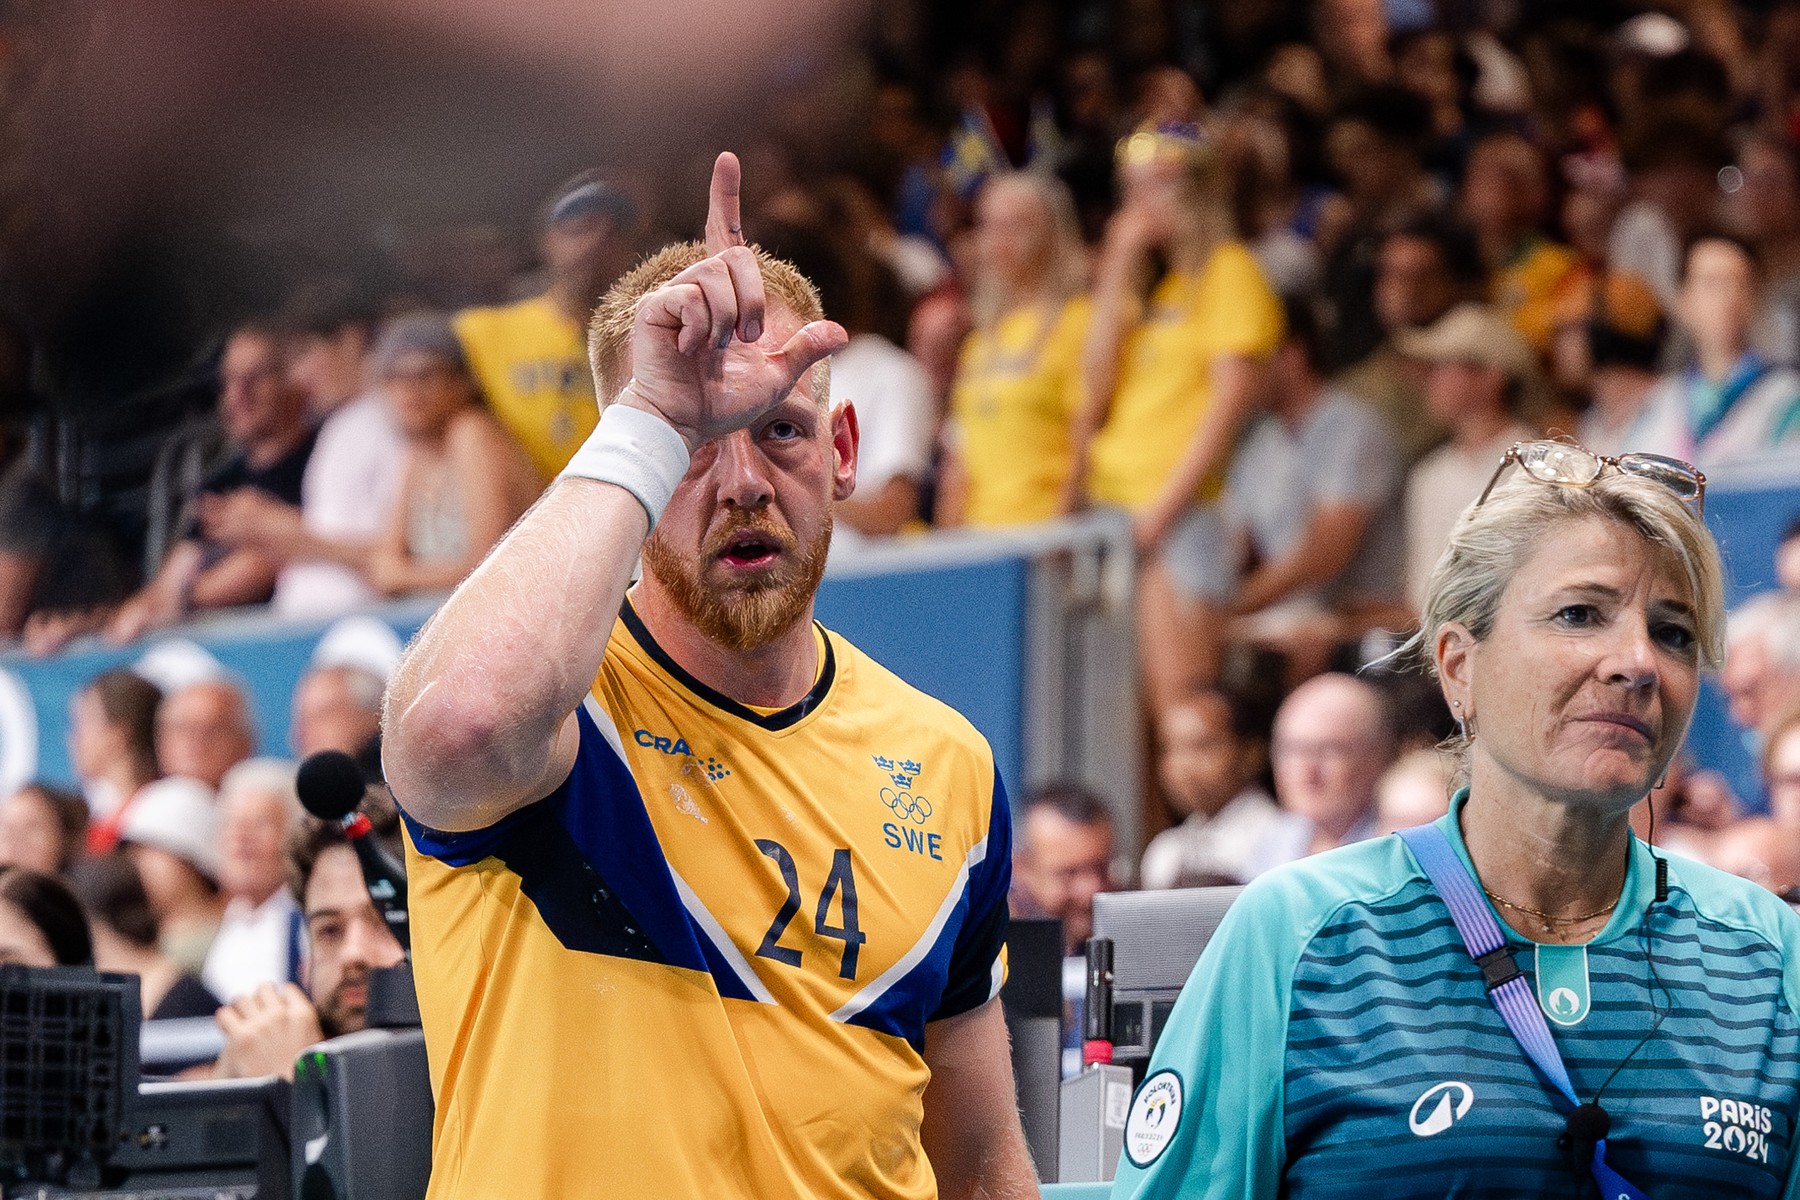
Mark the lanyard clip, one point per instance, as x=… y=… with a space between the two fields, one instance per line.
x=1497 y=967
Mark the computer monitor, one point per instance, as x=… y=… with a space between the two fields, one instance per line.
x=1157 y=938
x=228 y=1136
x=221 y=1139
x=68 y=1060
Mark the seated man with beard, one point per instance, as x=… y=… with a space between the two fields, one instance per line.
x=705 y=901
x=266 y=1030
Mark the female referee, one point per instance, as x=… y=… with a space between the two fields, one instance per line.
x=1522 y=999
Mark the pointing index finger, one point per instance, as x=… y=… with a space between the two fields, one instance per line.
x=724 y=220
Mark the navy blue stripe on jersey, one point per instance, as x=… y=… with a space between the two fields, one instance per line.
x=956 y=972
x=784 y=719
x=1387 y=1006
x=573 y=899
x=971 y=981
x=589 y=859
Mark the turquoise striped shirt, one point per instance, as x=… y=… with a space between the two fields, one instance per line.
x=1336 y=1040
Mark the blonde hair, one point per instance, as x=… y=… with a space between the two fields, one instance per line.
x=1491 y=542
x=1067 y=257
x=609 y=331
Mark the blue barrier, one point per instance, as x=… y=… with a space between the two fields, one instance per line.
x=1748 y=519
x=955 y=631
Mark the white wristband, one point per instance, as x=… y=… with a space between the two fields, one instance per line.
x=640 y=453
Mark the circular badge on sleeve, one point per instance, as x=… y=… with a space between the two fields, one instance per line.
x=1155 y=1115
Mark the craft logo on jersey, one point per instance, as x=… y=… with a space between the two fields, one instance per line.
x=677 y=747
x=1452 y=1099
x=1155 y=1115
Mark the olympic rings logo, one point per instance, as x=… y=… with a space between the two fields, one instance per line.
x=906 y=805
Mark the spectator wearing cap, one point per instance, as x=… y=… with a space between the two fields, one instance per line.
x=1620 y=344
x=1423 y=269
x=1480 y=370
x=351 y=481
x=112 y=746
x=203 y=730
x=530 y=358
x=1732 y=402
x=267 y=424
x=259 y=936
x=464 y=480
x=171 y=836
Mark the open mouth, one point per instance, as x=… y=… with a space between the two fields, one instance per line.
x=750 y=550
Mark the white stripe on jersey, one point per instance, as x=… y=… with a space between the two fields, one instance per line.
x=894 y=974
x=604 y=723
x=721 y=941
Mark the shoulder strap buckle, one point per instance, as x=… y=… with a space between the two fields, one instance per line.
x=1498 y=967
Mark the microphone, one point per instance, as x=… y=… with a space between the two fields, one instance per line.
x=1097 y=1011
x=1588 y=1125
x=331 y=788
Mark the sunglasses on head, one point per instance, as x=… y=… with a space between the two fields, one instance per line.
x=1569 y=465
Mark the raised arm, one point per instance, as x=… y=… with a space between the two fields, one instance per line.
x=1118 y=303
x=479 y=718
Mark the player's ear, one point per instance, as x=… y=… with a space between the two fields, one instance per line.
x=844 y=437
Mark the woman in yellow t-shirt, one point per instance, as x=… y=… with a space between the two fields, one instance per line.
x=1174 y=366
x=1018 y=379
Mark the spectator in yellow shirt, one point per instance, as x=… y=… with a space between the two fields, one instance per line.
x=1174 y=367
x=530 y=358
x=1018 y=379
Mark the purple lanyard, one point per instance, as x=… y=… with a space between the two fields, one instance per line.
x=1505 y=982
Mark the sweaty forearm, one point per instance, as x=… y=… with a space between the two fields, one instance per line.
x=475 y=708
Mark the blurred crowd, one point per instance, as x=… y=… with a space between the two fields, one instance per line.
x=185 y=858
x=1279 y=281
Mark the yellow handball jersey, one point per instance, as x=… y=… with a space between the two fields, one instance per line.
x=1165 y=373
x=1018 y=386
x=706 y=964
x=531 y=362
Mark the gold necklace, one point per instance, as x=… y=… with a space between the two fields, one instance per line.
x=1550 y=922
